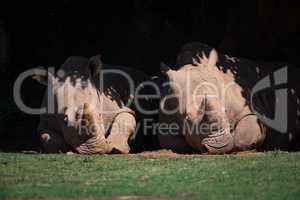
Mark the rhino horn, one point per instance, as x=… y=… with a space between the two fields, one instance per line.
x=213 y=58
x=87 y=114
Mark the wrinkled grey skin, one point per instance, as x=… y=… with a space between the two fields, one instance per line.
x=233 y=125
x=109 y=124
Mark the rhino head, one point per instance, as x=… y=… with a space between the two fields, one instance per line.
x=73 y=93
x=195 y=98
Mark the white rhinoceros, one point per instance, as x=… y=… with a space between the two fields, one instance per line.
x=205 y=106
x=90 y=115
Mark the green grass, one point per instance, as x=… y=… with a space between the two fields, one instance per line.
x=270 y=176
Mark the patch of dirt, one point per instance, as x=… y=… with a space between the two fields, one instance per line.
x=171 y=154
x=162 y=153
x=250 y=153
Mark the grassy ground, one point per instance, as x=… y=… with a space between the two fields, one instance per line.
x=269 y=176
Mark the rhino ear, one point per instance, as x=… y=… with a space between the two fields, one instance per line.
x=213 y=58
x=95 y=65
x=164 y=68
x=42 y=76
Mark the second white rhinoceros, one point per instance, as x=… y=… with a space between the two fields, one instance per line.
x=209 y=105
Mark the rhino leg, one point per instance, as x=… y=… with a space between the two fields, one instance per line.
x=53 y=142
x=248 y=134
x=92 y=138
x=121 y=130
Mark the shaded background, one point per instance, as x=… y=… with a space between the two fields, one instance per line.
x=134 y=33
